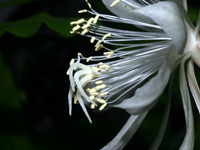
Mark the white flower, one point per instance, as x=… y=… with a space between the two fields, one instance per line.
x=163 y=38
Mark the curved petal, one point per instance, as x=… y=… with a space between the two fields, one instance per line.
x=146 y=96
x=173 y=24
x=188 y=142
x=126 y=133
x=193 y=83
x=125 y=9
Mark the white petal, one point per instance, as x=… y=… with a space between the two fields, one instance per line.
x=70 y=95
x=125 y=9
x=188 y=141
x=172 y=24
x=193 y=83
x=146 y=96
x=126 y=133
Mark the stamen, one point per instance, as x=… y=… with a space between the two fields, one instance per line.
x=96 y=69
x=71 y=62
x=103 y=94
x=99 y=47
x=95 y=93
x=89 y=5
x=100 y=87
x=82 y=11
x=92 y=106
x=80 y=21
x=74 y=32
x=85 y=31
x=99 y=42
x=76 y=28
x=99 y=82
x=102 y=106
x=108 y=53
x=100 y=63
x=80 y=54
x=108 y=56
x=96 y=18
x=73 y=22
x=114 y=3
x=105 y=36
x=90 y=58
x=102 y=101
x=88 y=89
x=85 y=26
x=75 y=99
x=104 y=67
x=90 y=21
x=92 y=91
x=67 y=72
x=92 y=40
x=92 y=97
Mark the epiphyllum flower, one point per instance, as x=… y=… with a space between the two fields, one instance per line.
x=164 y=39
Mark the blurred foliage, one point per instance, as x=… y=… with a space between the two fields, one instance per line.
x=34 y=87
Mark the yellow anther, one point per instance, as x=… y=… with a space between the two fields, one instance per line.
x=75 y=99
x=108 y=53
x=82 y=11
x=67 y=72
x=99 y=47
x=80 y=54
x=96 y=69
x=99 y=82
x=102 y=106
x=74 y=32
x=92 y=91
x=100 y=86
x=96 y=18
x=88 y=89
x=100 y=63
x=105 y=36
x=85 y=26
x=80 y=21
x=92 y=106
x=90 y=21
x=103 y=94
x=76 y=28
x=73 y=22
x=108 y=56
x=85 y=31
x=99 y=42
x=89 y=5
x=90 y=58
x=92 y=97
x=92 y=40
x=114 y=3
x=95 y=93
x=71 y=62
x=104 y=66
x=102 y=101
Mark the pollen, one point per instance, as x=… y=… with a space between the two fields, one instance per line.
x=96 y=18
x=108 y=56
x=76 y=28
x=102 y=106
x=80 y=21
x=92 y=97
x=105 y=36
x=80 y=54
x=92 y=106
x=95 y=93
x=98 y=47
x=92 y=91
x=88 y=89
x=96 y=69
x=99 y=82
x=102 y=101
x=85 y=31
x=114 y=3
x=103 y=94
x=90 y=21
x=89 y=5
x=100 y=63
x=99 y=42
x=90 y=58
x=85 y=26
x=100 y=87
x=73 y=22
x=92 y=40
x=108 y=53
x=82 y=11
x=71 y=62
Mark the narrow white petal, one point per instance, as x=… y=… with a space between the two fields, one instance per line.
x=188 y=142
x=70 y=95
x=193 y=83
x=126 y=133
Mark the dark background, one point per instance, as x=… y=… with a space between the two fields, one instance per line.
x=35 y=86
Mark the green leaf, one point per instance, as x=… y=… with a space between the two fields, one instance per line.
x=8 y=91
x=28 y=27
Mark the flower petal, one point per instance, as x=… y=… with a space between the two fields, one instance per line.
x=126 y=133
x=125 y=9
x=70 y=95
x=188 y=142
x=193 y=83
x=146 y=96
x=173 y=24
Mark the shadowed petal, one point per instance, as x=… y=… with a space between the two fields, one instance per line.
x=188 y=142
x=193 y=83
x=126 y=133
